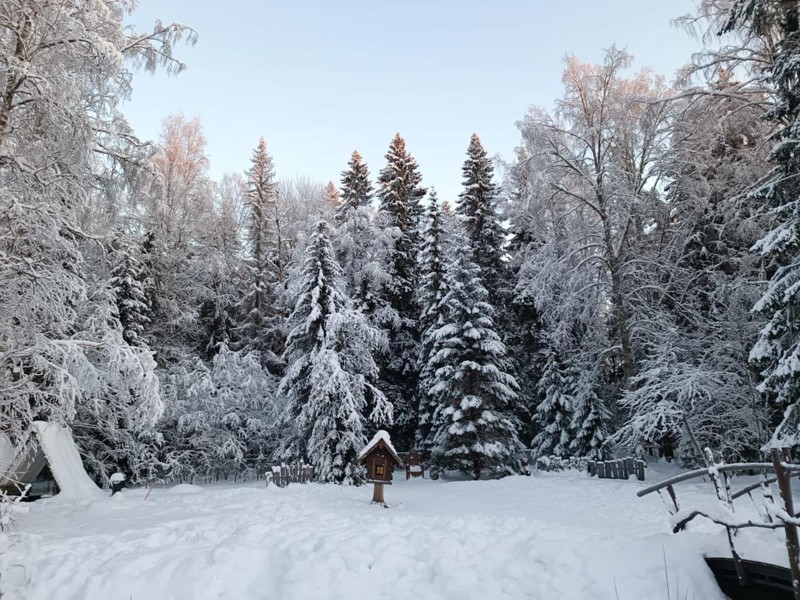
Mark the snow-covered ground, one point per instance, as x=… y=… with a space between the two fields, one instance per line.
x=548 y=536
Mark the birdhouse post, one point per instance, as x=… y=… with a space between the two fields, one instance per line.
x=380 y=458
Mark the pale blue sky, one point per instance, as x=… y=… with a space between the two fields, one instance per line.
x=320 y=78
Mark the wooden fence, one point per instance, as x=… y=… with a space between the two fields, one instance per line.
x=617 y=469
x=286 y=474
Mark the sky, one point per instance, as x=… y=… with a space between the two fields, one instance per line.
x=321 y=78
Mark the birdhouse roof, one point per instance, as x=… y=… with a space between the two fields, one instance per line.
x=380 y=440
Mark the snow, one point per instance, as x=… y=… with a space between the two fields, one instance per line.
x=116 y=478
x=7 y=453
x=184 y=488
x=65 y=462
x=380 y=435
x=555 y=535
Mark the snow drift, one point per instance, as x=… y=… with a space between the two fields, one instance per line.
x=65 y=462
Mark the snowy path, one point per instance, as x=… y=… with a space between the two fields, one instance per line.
x=548 y=537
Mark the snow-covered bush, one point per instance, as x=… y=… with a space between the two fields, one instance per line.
x=558 y=463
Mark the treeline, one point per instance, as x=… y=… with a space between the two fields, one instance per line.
x=629 y=279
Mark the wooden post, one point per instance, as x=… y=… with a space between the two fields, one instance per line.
x=377 y=494
x=792 y=542
x=674 y=498
x=591 y=467
x=640 y=470
x=722 y=490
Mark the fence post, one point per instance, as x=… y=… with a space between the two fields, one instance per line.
x=792 y=542
x=640 y=470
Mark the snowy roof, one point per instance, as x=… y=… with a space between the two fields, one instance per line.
x=381 y=437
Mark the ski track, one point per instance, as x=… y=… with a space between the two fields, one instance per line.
x=549 y=536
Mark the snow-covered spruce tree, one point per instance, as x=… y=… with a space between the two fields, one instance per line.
x=554 y=414
x=257 y=331
x=64 y=67
x=343 y=390
x=589 y=419
x=356 y=190
x=477 y=205
x=775 y=25
x=430 y=293
x=400 y=194
x=474 y=427
x=331 y=374
x=318 y=295
x=128 y=282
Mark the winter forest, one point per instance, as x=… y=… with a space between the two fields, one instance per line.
x=628 y=280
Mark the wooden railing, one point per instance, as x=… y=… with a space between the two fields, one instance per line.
x=775 y=513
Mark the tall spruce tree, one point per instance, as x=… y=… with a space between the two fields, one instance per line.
x=429 y=296
x=400 y=194
x=319 y=295
x=475 y=429
x=477 y=205
x=331 y=374
x=345 y=404
x=356 y=190
x=257 y=332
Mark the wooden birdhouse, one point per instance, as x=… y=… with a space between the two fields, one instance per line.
x=381 y=459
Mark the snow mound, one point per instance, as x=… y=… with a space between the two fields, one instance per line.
x=7 y=453
x=65 y=462
x=183 y=489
